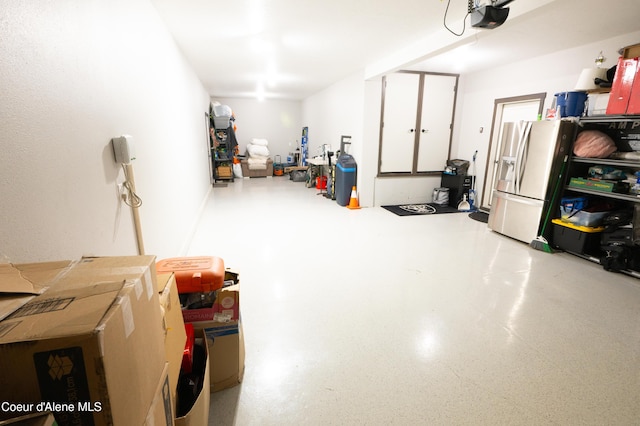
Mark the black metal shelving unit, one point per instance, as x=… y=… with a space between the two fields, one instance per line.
x=614 y=126
x=222 y=145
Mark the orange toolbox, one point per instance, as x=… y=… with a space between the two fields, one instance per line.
x=194 y=274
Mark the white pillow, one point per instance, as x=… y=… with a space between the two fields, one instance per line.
x=257 y=150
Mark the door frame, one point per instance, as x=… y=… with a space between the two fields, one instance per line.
x=494 y=143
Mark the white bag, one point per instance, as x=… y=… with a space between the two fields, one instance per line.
x=237 y=170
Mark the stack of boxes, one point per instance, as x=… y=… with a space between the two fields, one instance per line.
x=206 y=278
x=98 y=341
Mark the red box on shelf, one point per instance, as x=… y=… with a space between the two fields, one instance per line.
x=622 y=89
x=634 y=97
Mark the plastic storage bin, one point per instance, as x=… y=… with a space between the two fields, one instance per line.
x=576 y=239
x=194 y=274
x=577 y=211
x=582 y=217
x=571 y=104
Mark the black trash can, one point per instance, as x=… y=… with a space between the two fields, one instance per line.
x=345 y=178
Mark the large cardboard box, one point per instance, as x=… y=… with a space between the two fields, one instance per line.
x=225 y=340
x=199 y=413
x=35 y=419
x=175 y=336
x=95 y=270
x=90 y=347
x=21 y=283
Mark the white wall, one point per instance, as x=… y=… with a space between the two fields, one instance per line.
x=352 y=107
x=338 y=111
x=333 y=110
x=74 y=75
x=278 y=121
x=552 y=74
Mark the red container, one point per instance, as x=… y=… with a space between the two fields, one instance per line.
x=634 y=96
x=194 y=274
x=321 y=182
x=621 y=89
x=187 y=355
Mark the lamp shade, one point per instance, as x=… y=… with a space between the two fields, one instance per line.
x=587 y=77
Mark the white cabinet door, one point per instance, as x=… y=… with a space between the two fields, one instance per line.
x=399 y=122
x=436 y=122
x=416 y=123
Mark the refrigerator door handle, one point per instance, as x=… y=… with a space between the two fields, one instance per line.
x=521 y=156
x=516 y=164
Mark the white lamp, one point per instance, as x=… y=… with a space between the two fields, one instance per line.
x=588 y=75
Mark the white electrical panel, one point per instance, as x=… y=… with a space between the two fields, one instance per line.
x=123 y=149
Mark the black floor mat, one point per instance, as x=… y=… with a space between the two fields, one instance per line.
x=419 y=209
x=480 y=216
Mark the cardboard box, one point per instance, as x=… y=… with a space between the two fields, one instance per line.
x=225 y=340
x=35 y=419
x=218 y=308
x=95 y=270
x=199 y=413
x=226 y=346
x=162 y=412
x=90 y=348
x=632 y=51
x=175 y=336
x=224 y=171
x=21 y=283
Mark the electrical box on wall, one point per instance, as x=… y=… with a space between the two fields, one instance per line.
x=123 y=149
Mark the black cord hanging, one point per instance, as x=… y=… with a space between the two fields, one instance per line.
x=464 y=23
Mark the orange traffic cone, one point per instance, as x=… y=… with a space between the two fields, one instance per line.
x=353 y=202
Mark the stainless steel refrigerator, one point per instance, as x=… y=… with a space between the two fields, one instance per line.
x=532 y=157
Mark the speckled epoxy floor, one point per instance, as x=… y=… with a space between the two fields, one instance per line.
x=364 y=317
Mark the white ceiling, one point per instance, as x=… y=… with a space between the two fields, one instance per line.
x=290 y=49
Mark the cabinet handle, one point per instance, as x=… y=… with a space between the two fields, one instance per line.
x=425 y=131
x=412 y=130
